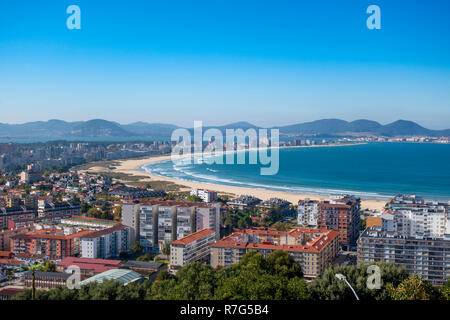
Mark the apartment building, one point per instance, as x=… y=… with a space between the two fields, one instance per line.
x=106 y=243
x=312 y=249
x=48 y=208
x=156 y=223
x=194 y=247
x=413 y=217
x=54 y=243
x=308 y=212
x=6 y=235
x=244 y=201
x=427 y=257
x=15 y=214
x=343 y=215
x=275 y=203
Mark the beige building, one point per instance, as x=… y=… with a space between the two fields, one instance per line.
x=194 y=247
x=312 y=249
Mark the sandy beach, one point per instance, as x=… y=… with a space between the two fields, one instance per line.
x=131 y=167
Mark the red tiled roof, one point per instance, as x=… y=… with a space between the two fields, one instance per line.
x=193 y=236
x=235 y=240
x=96 y=265
x=7 y=254
x=99 y=233
x=10 y=261
x=10 y=291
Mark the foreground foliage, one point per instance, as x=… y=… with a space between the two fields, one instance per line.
x=255 y=277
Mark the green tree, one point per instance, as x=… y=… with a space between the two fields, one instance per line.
x=137 y=247
x=282 y=264
x=193 y=198
x=166 y=249
x=328 y=287
x=446 y=290
x=145 y=257
x=414 y=288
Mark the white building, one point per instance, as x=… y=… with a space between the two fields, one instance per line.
x=308 y=212
x=194 y=247
x=413 y=217
x=156 y=223
x=205 y=195
x=106 y=243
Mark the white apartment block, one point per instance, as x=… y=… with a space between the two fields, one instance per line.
x=156 y=223
x=192 y=248
x=308 y=212
x=106 y=243
x=422 y=222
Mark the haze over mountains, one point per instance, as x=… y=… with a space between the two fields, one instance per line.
x=98 y=128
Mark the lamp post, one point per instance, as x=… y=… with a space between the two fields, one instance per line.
x=344 y=278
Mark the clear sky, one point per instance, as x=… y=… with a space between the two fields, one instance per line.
x=267 y=62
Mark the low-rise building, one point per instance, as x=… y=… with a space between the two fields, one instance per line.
x=45 y=280
x=244 y=201
x=122 y=275
x=88 y=267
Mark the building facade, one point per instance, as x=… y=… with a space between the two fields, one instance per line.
x=156 y=223
x=192 y=248
x=429 y=258
x=106 y=243
x=343 y=215
x=308 y=213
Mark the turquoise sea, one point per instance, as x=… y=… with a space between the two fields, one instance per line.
x=373 y=170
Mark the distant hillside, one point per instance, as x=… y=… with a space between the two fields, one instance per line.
x=98 y=128
x=361 y=127
x=150 y=129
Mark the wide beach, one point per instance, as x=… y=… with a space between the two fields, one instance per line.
x=131 y=167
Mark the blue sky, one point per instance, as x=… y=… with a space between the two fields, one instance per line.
x=267 y=62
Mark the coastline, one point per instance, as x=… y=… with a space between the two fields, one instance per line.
x=132 y=166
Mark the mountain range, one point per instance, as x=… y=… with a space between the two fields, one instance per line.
x=98 y=128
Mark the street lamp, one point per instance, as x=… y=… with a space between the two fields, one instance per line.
x=343 y=278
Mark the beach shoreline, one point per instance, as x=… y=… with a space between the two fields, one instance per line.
x=133 y=167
